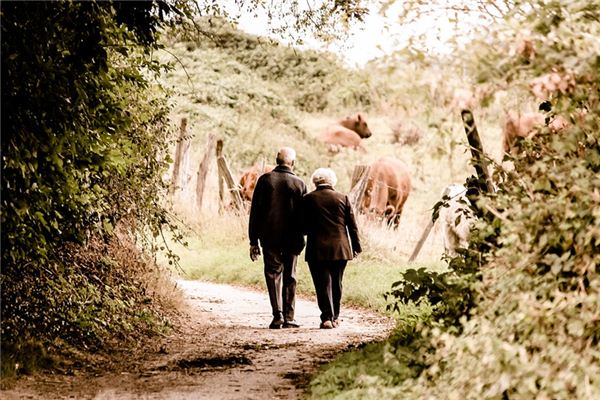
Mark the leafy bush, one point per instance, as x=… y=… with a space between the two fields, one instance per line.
x=533 y=330
x=84 y=134
x=317 y=80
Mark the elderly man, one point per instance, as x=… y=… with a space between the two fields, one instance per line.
x=331 y=240
x=274 y=221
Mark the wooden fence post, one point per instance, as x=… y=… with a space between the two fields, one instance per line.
x=203 y=170
x=477 y=155
x=219 y=153
x=231 y=184
x=480 y=164
x=360 y=175
x=425 y=234
x=226 y=177
x=182 y=147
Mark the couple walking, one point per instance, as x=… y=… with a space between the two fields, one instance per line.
x=280 y=215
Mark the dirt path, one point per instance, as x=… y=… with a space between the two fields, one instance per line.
x=222 y=351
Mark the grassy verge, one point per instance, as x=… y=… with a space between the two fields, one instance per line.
x=218 y=252
x=369 y=372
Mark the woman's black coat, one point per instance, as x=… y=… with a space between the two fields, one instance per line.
x=329 y=225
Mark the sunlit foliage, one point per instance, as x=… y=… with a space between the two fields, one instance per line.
x=532 y=328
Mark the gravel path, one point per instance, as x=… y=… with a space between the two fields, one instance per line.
x=223 y=350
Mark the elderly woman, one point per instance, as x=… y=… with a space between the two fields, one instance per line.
x=332 y=240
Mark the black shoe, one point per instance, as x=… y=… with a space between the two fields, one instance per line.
x=291 y=324
x=277 y=323
x=335 y=323
x=326 y=325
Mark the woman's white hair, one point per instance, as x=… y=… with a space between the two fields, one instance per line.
x=324 y=176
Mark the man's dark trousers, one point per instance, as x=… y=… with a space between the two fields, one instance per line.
x=281 y=266
x=327 y=277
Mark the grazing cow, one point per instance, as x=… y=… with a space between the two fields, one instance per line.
x=456 y=219
x=347 y=132
x=387 y=189
x=249 y=178
x=526 y=125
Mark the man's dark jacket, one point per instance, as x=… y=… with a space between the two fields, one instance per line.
x=274 y=214
x=329 y=225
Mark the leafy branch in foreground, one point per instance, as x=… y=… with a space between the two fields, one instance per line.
x=533 y=330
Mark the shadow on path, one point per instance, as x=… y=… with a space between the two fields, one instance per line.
x=223 y=350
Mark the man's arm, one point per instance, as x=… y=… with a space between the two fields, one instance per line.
x=256 y=212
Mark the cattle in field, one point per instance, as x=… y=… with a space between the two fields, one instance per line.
x=347 y=132
x=545 y=86
x=455 y=218
x=518 y=126
x=388 y=186
x=249 y=178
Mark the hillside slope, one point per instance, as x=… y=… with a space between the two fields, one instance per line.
x=253 y=93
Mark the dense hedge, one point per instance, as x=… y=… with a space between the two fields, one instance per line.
x=84 y=134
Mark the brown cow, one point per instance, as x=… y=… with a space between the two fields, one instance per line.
x=387 y=189
x=249 y=178
x=526 y=125
x=347 y=132
x=543 y=87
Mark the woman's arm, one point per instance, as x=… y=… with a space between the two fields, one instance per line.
x=352 y=227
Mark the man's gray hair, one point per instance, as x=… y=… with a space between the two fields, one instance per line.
x=286 y=156
x=324 y=176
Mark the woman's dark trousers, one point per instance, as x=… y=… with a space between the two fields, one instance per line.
x=327 y=277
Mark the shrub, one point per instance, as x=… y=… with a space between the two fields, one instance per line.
x=84 y=135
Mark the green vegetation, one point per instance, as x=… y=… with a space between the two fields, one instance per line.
x=220 y=254
x=525 y=324
x=85 y=143
x=84 y=135
x=255 y=94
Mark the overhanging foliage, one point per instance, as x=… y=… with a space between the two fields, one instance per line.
x=84 y=135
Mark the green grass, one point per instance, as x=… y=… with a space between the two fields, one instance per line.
x=219 y=253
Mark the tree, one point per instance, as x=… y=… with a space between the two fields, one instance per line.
x=84 y=135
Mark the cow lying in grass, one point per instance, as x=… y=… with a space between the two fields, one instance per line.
x=347 y=132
